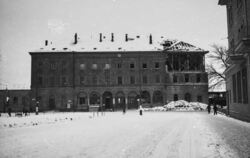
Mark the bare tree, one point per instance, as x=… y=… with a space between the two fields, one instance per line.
x=216 y=66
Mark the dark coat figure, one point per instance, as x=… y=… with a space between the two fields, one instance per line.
x=215 y=109
x=209 y=108
x=140 y=110
x=124 y=109
x=9 y=111
x=9 y=108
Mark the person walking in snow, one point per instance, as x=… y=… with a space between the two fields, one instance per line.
x=215 y=109
x=208 y=108
x=140 y=110
x=124 y=110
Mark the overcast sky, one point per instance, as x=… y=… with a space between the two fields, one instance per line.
x=25 y=24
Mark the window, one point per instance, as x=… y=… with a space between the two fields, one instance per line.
x=119 y=65
x=24 y=100
x=119 y=80
x=174 y=78
x=132 y=79
x=107 y=76
x=144 y=65
x=239 y=90
x=234 y=88
x=132 y=66
x=239 y=2
x=52 y=66
x=82 y=66
x=64 y=81
x=199 y=98
x=175 y=97
x=107 y=66
x=244 y=85
x=52 y=81
x=186 y=77
x=145 y=79
x=15 y=100
x=82 y=80
x=157 y=65
x=40 y=63
x=198 y=78
x=188 y=97
x=82 y=100
x=40 y=81
x=157 y=78
x=94 y=80
x=230 y=15
x=94 y=66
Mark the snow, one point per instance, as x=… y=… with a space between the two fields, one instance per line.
x=185 y=106
x=114 y=135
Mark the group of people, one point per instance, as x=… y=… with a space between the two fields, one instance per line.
x=215 y=108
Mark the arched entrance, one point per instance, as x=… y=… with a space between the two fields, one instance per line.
x=82 y=101
x=157 y=97
x=107 y=100
x=145 y=97
x=120 y=100
x=188 y=97
x=132 y=100
x=94 y=98
x=52 y=102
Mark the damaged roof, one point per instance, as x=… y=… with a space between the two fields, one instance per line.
x=124 y=43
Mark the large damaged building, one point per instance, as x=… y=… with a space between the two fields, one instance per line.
x=117 y=73
x=116 y=77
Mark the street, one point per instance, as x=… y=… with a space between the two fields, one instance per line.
x=154 y=134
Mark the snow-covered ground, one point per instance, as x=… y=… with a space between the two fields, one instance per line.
x=155 y=134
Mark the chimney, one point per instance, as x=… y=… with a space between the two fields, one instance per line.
x=46 y=42
x=150 y=39
x=112 y=37
x=126 y=37
x=75 y=42
x=100 y=40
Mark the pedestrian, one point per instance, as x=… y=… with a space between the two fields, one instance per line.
x=124 y=109
x=208 y=108
x=9 y=111
x=215 y=109
x=8 y=105
x=140 y=110
x=37 y=108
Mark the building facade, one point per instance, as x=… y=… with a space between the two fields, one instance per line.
x=238 y=74
x=18 y=100
x=117 y=79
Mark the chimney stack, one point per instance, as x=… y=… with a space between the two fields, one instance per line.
x=112 y=37
x=100 y=40
x=150 y=39
x=46 y=42
x=76 y=38
x=126 y=37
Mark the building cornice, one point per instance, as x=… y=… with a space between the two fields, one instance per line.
x=223 y=2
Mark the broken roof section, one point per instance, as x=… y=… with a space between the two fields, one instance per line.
x=112 y=42
x=174 y=45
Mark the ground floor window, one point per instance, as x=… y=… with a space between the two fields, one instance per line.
x=199 y=98
x=175 y=97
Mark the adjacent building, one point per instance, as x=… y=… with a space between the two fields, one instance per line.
x=238 y=74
